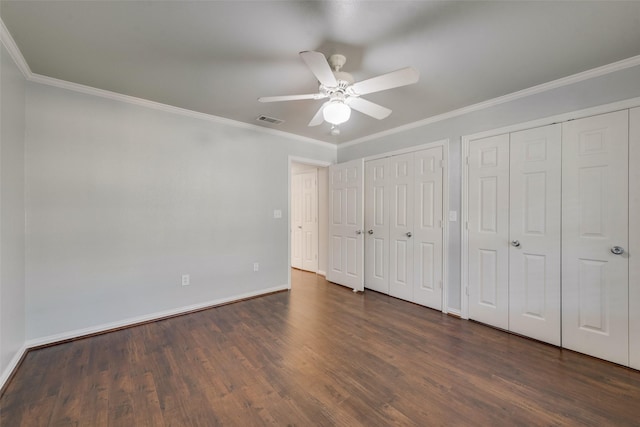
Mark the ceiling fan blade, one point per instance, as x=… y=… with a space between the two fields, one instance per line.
x=320 y=68
x=402 y=77
x=291 y=97
x=369 y=108
x=318 y=118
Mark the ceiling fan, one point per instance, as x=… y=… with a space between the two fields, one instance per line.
x=343 y=92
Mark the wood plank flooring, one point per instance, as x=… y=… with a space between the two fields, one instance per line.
x=317 y=355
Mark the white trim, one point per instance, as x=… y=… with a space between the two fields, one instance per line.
x=13 y=365
x=554 y=84
x=50 y=81
x=464 y=240
x=132 y=321
x=445 y=226
x=306 y=161
x=11 y=46
x=322 y=273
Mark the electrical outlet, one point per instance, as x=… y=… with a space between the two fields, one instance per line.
x=185 y=280
x=256 y=266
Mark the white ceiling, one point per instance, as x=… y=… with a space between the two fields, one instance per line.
x=218 y=57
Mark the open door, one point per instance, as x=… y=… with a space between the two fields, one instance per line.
x=346 y=219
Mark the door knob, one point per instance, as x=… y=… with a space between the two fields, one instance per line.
x=358 y=231
x=617 y=250
x=299 y=226
x=409 y=234
x=515 y=243
x=370 y=231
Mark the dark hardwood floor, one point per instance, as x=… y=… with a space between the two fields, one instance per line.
x=318 y=355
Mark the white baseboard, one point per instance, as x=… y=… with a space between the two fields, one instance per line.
x=322 y=273
x=12 y=365
x=77 y=333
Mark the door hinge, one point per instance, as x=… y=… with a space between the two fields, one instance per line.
x=440 y=284
x=466 y=159
x=466 y=225
x=466 y=290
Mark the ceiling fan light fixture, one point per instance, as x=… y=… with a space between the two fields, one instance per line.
x=336 y=112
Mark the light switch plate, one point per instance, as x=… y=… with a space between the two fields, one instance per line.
x=277 y=213
x=453 y=216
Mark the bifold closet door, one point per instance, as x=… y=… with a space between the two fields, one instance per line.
x=488 y=230
x=534 y=233
x=346 y=220
x=595 y=262
x=401 y=226
x=634 y=238
x=428 y=227
x=376 y=222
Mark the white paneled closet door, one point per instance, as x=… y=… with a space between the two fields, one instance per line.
x=376 y=220
x=634 y=238
x=428 y=227
x=296 y=221
x=595 y=281
x=535 y=220
x=346 y=247
x=401 y=212
x=488 y=230
x=310 y=220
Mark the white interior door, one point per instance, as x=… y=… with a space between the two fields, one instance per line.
x=401 y=184
x=346 y=241
x=595 y=282
x=296 y=221
x=376 y=221
x=488 y=230
x=428 y=227
x=309 y=215
x=535 y=220
x=634 y=238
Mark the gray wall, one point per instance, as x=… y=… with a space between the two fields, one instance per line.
x=612 y=87
x=12 y=282
x=121 y=200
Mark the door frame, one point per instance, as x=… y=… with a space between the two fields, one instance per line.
x=444 y=143
x=464 y=155
x=306 y=161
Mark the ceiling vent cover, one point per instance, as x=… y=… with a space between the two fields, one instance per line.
x=271 y=120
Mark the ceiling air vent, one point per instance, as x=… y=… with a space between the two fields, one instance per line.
x=270 y=120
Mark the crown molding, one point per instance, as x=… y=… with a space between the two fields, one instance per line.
x=554 y=84
x=11 y=46
x=14 y=51
x=75 y=87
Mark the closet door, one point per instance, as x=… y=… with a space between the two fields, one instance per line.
x=634 y=239
x=346 y=219
x=595 y=281
x=535 y=219
x=401 y=227
x=488 y=230
x=428 y=228
x=376 y=223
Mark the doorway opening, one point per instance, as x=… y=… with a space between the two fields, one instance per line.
x=308 y=215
